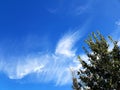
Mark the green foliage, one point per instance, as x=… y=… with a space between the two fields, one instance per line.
x=76 y=85
x=103 y=71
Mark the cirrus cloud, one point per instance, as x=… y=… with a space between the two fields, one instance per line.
x=46 y=66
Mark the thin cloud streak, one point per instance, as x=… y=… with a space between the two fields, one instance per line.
x=47 y=66
x=71 y=7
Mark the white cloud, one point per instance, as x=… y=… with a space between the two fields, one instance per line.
x=65 y=45
x=27 y=68
x=47 y=66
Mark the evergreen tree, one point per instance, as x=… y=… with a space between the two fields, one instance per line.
x=76 y=85
x=103 y=71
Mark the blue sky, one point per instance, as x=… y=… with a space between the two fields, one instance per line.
x=41 y=39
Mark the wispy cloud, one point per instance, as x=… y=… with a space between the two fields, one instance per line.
x=66 y=44
x=118 y=23
x=116 y=32
x=85 y=8
x=71 y=7
x=46 y=66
